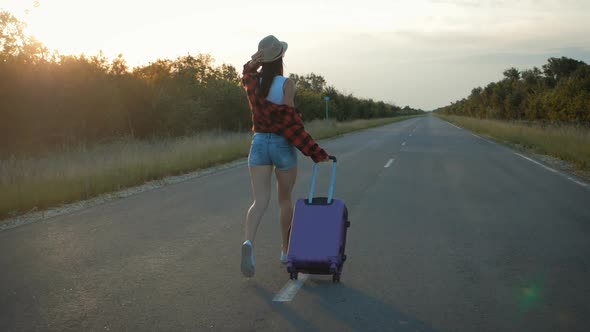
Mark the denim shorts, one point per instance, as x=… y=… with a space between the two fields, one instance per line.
x=271 y=149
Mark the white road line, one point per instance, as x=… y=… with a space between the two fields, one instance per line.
x=290 y=289
x=481 y=138
x=585 y=185
x=536 y=162
x=455 y=126
x=404 y=143
x=389 y=163
x=553 y=170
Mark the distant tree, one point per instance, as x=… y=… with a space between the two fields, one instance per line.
x=532 y=77
x=155 y=73
x=559 y=68
x=300 y=82
x=119 y=66
x=12 y=37
x=229 y=73
x=559 y=93
x=15 y=45
x=512 y=74
x=475 y=92
x=312 y=82
x=318 y=83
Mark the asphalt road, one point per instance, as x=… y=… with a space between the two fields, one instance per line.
x=456 y=234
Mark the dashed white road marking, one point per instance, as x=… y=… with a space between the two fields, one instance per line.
x=290 y=289
x=404 y=143
x=389 y=163
x=553 y=170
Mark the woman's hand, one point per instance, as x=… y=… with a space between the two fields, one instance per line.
x=256 y=60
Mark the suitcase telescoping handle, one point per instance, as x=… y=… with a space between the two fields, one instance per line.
x=314 y=175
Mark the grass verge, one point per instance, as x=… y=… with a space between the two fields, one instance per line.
x=81 y=172
x=568 y=143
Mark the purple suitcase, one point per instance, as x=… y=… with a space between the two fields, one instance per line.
x=318 y=233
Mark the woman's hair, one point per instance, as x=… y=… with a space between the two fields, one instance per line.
x=267 y=74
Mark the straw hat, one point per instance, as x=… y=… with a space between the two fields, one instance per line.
x=272 y=49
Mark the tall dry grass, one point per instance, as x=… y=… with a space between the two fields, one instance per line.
x=82 y=172
x=568 y=143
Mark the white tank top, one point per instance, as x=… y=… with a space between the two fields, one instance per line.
x=276 y=94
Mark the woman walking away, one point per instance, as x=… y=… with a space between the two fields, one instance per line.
x=278 y=130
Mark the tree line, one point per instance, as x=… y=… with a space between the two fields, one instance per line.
x=557 y=93
x=49 y=100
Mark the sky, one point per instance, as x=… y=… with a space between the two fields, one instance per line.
x=421 y=53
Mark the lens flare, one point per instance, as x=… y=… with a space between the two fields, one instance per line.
x=530 y=295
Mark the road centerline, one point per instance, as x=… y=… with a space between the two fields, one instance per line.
x=389 y=163
x=288 y=292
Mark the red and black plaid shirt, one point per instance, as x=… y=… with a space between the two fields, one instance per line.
x=283 y=120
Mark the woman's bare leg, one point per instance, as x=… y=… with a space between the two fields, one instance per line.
x=260 y=177
x=285 y=184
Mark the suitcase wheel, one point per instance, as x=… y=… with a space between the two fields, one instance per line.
x=293 y=276
x=335 y=278
x=333 y=268
x=348 y=223
x=344 y=258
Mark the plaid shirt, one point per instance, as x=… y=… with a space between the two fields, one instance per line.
x=283 y=120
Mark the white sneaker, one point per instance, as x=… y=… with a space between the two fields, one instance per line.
x=247 y=259
x=284 y=258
